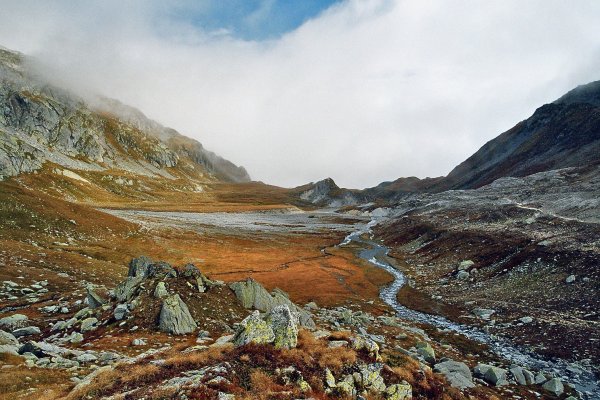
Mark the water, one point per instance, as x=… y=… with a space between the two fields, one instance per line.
x=376 y=253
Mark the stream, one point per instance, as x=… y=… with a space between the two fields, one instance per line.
x=376 y=253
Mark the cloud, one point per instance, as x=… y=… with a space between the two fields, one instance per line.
x=369 y=90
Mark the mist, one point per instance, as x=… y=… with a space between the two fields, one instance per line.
x=366 y=91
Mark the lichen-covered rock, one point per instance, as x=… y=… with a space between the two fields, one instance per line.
x=360 y=343
x=120 y=311
x=370 y=378
x=93 y=299
x=89 y=324
x=253 y=329
x=8 y=339
x=329 y=379
x=253 y=295
x=26 y=331
x=284 y=324
x=160 y=291
x=425 y=350
x=175 y=317
x=399 y=391
x=161 y=270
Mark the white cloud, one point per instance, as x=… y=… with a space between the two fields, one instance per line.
x=371 y=90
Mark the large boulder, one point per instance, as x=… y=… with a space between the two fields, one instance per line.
x=554 y=386
x=253 y=295
x=253 y=329
x=8 y=339
x=175 y=317
x=457 y=373
x=493 y=375
x=284 y=324
x=13 y=322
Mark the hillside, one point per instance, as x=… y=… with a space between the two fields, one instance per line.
x=41 y=124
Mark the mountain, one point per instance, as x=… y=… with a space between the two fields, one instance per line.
x=327 y=193
x=42 y=124
x=565 y=133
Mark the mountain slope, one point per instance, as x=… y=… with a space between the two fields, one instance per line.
x=562 y=134
x=40 y=123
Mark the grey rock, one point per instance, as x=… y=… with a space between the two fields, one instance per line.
x=496 y=376
x=426 y=351
x=138 y=267
x=89 y=324
x=463 y=275
x=401 y=391
x=9 y=349
x=370 y=378
x=86 y=358
x=465 y=265
x=284 y=324
x=138 y=342
x=160 y=291
x=521 y=375
x=457 y=373
x=526 y=320
x=483 y=313
x=26 y=331
x=253 y=329
x=13 y=322
x=93 y=299
x=128 y=289
x=540 y=378
x=554 y=386
x=570 y=279
x=121 y=311
x=175 y=317
x=75 y=338
x=8 y=339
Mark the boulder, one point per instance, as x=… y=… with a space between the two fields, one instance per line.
x=570 y=279
x=253 y=295
x=161 y=270
x=400 y=391
x=89 y=324
x=363 y=343
x=121 y=311
x=9 y=349
x=370 y=378
x=253 y=329
x=175 y=317
x=463 y=275
x=128 y=289
x=93 y=299
x=13 y=322
x=8 y=339
x=426 y=351
x=521 y=375
x=457 y=373
x=495 y=376
x=465 y=265
x=138 y=267
x=191 y=271
x=284 y=324
x=554 y=386
x=26 y=331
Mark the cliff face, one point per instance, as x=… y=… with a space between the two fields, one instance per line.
x=40 y=123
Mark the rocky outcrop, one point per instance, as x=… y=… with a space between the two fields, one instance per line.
x=284 y=324
x=253 y=295
x=175 y=317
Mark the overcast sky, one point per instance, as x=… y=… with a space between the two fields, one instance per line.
x=361 y=91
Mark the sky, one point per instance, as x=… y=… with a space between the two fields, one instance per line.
x=362 y=91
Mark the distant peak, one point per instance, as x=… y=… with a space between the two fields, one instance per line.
x=588 y=93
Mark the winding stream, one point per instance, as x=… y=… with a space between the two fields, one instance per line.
x=376 y=253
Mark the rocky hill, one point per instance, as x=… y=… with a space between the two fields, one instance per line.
x=42 y=124
x=565 y=133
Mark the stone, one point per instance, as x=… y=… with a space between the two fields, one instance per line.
x=138 y=342
x=175 y=317
x=399 y=391
x=371 y=379
x=346 y=388
x=9 y=349
x=337 y=343
x=483 y=313
x=8 y=339
x=570 y=279
x=554 y=386
x=13 y=322
x=495 y=376
x=521 y=375
x=225 y=396
x=128 y=289
x=284 y=324
x=253 y=329
x=223 y=340
x=86 y=358
x=426 y=351
x=464 y=265
x=191 y=271
x=329 y=378
x=526 y=320
x=161 y=270
x=457 y=373
x=138 y=267
x=26 y=331
x=121 y=311
x=463 y=275
x=540 y=378
x=160 y=291
x=93 y=299
x=75 y=338
x=89 y=324
x=369 y=345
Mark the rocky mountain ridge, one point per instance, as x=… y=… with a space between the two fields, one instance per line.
x=40 y=123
